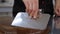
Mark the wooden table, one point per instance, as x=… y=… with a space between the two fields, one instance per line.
x=4 y=29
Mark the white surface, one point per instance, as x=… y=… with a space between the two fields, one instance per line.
x=23 y=20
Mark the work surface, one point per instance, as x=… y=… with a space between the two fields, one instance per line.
x=3 y=20
x=23 y=20
x=6 y=28
x=17 y=30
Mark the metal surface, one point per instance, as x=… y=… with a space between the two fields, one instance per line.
x=23 y=20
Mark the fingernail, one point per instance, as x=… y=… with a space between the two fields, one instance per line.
x=34 y=17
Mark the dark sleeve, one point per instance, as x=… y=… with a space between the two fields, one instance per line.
x=18 y=5
x=47 y=6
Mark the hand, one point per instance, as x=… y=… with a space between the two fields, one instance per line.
x=57 y=11
x=57 y=8
x=32 y=7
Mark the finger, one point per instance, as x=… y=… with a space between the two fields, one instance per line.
x=26 y=4
x=30 y=7
x=57 y=12
x=35 y=8
x=36 y=14
x=31 y=11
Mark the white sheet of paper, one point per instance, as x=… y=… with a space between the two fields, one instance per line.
x=23 y=20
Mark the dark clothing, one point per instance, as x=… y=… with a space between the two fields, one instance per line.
x=18 y=7
x=46 y=5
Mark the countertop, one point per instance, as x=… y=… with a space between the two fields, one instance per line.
x=23 y=20
x=53 y=24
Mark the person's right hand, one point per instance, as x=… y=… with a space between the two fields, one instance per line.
x=32 y=7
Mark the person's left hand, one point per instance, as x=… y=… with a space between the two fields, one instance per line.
x=57 y=8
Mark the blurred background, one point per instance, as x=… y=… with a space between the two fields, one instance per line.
x=6 y=11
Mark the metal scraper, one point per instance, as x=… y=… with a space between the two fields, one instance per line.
x=23 y=20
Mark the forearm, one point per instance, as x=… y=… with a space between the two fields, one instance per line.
x=58 y=2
